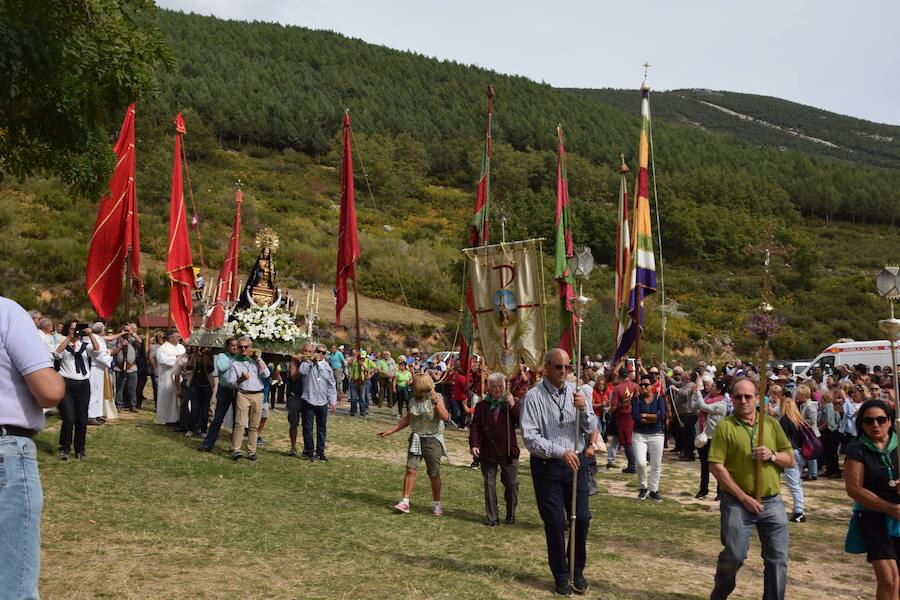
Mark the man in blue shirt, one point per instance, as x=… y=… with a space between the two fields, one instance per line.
x=224 y=394
x=338 y=363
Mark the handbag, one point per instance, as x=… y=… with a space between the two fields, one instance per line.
x=811 y=448
x=701 y=440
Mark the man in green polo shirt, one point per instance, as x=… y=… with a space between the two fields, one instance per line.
x=732 y=461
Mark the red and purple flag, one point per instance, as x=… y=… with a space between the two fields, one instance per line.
x=563 y=252
x=226 y=289
x=116 y=230
x=348 y=235
x=180 y=264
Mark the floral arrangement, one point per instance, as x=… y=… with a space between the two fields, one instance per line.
x=763 y=326
x=263 y=323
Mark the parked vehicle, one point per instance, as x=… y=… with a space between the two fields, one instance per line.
x=870 y=353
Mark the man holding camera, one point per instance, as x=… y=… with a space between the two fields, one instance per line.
x=124 y=355
x=245 y=374
x=318 y=396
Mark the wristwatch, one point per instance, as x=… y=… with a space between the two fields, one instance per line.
x=773 y=458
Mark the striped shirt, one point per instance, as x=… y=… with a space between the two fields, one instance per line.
x=548 y=421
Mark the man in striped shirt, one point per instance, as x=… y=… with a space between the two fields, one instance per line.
x=555 y=427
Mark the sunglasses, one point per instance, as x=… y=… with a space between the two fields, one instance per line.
x=559 y=367
x=872 y=420
x=320 y=351
x=244 y=347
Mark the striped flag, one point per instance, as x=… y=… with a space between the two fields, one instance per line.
x=563 y=252
x=640 y=266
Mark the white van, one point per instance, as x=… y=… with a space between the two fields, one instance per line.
x=872 y=353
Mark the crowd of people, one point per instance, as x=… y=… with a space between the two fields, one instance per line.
x=707 y=413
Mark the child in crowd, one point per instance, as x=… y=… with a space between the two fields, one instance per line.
x=426 y=418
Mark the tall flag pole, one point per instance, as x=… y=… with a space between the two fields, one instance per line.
x=180 y=264
x=563 y=252
x=116 y=236
x=623 y=251
x=640 y=269
x=478 y=233
x=226 y=290
x=348 y=234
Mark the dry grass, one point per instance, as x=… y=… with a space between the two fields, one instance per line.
x=149 y=517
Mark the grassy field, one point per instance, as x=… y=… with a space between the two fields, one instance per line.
x=147 y=516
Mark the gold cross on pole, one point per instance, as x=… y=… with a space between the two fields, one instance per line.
x=646 y=66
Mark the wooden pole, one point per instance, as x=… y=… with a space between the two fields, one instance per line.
x=760 y=417
x=356 y=312
x=127 y=283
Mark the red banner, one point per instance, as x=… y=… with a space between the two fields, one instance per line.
x=116 y=229
x=180 y=264
x=226 y=289
x=348 y=235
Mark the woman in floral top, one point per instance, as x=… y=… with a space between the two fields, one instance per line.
x=425 y=417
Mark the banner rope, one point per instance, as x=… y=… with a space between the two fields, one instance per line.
x=389 y=246
x=187 y=174
x=662 y=280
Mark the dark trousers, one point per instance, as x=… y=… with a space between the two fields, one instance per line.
x=141 y=384
x=126 y=389
x=553 y=490
x=403 y=396
x=153 y=382
x=509 y=477
x=830 y=442
x=384 y=390
x=184 y=408
x=703 y=453
x=200 y=397
x=224 y=401
x=308 y=412
x=74 y=413
x=686 y=434
x=279 y=394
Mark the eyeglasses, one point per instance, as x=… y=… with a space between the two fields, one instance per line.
x=872 y=420
x=559 y=367
x=743 y=397
x=244 y=347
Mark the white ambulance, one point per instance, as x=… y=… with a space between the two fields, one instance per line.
x=872 y=353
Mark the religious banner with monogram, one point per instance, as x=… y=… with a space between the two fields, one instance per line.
x=507 y=293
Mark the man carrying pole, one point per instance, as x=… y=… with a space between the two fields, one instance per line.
x=733 y=460
x=551 y=411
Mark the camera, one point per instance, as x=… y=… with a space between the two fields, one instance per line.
x=82 y=329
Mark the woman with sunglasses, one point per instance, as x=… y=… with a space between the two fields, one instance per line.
x=649 y=414
x=871 y=473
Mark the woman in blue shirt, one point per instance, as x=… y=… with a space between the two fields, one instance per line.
x=649 y=415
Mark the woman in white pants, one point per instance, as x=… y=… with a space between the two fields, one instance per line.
x=649 y=414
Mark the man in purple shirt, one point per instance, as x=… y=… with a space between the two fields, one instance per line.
x=28 y=384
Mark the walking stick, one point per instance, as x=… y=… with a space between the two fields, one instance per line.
x=760 y=418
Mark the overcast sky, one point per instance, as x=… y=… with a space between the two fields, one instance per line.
x=837 y=55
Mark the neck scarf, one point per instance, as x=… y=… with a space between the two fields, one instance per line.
x=883 y=455
x=495 y=402
x=241 y=358
x=80 y=367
